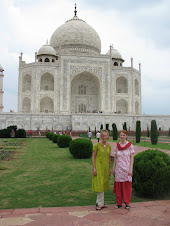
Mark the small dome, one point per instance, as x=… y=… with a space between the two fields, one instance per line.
x=46 y=50
x=76 y=34
x=114 y=54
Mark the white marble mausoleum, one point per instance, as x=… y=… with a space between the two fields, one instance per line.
x=71 y=84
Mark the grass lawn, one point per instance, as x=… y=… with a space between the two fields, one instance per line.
x=43 y=175
x=146 y=144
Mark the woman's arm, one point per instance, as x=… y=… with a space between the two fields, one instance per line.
x=131 y=165
x=114 y=164
x=93 y=163
x=109 y=165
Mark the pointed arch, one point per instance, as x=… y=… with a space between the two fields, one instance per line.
x=136 y=87
x=46 y=105
x=122 y=106
x=121 y=85
x=26 y=105
x=136 y=107
x=47 y=82
x=26 y=83
x=85 y=93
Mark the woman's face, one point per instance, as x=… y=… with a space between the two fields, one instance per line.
x=123 y=136
x=104 y=137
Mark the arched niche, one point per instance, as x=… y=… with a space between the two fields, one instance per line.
x=26 y=83
x=121 y=85
x=136 y=107
x=26 y=105
x=46 y=105
x=47 y=82
x=85 y=93
x=122 y=106
x=136 y=87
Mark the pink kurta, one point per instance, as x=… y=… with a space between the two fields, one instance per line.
x=123 y=163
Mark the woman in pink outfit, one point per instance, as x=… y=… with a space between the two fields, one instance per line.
x=123 y=170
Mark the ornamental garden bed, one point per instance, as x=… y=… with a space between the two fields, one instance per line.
x=6 y=155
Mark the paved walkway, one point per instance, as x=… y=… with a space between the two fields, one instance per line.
x=153 y=213
x=144 y=213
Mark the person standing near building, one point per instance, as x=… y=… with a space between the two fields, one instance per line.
x=89 y=134
x=123 y=170
x=98 y=136
x=101 y=162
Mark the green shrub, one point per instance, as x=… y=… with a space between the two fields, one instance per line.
x=47 y=134
x=107 y=127
x=64 y=141
x=5 y=133
x=20 y=133
x=101 y=127
x=81 y=148
x=125 y=126
x=12 y=128
x=50 y=135
x=55 y=137
x=151 y=174
x=115 y=132
x=138 y=131
x=154 y=132
x=148 y=132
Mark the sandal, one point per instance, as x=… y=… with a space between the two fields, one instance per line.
x=100 y=207
x=127 y=207
x=118 y=206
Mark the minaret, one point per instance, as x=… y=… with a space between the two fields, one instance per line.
x=1 y=88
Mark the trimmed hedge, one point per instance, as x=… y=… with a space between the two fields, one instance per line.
x=5 y=133
x=63 y=141
x=20 y=133
x=151 y=174
x=81 y=148
x=55 y=137
x=50 y=135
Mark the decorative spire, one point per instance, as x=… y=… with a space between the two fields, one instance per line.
x=47 y=41
x=75 y=11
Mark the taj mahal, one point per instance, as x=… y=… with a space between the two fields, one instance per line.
x=71 y=85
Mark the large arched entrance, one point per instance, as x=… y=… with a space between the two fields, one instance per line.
x=85 y=93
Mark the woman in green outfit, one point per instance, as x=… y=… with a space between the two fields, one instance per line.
x=101 y=169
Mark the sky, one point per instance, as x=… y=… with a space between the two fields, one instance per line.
x=138 y=29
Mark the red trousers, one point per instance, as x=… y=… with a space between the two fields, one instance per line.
x=123 y=190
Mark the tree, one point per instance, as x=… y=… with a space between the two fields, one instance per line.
x=101 y=127
x=154 y=132
x=107 y=127
x=115 y=132
x=125 y=126
x=138 y=131
x=95 y=131
x=148 y=132
x=169 y=132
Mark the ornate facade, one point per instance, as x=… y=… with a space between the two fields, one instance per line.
x=70 y=75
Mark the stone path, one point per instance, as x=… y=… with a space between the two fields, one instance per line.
x=141 y=214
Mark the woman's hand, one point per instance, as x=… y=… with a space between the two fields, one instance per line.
x=94 y=172
x=113 y=171
x=130 y=174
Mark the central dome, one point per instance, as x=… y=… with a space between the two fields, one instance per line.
x=76 y=36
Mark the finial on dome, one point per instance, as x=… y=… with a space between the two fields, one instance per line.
x=75 y=11
x=47 y=41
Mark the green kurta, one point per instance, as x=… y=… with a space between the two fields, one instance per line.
x=100 y=182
